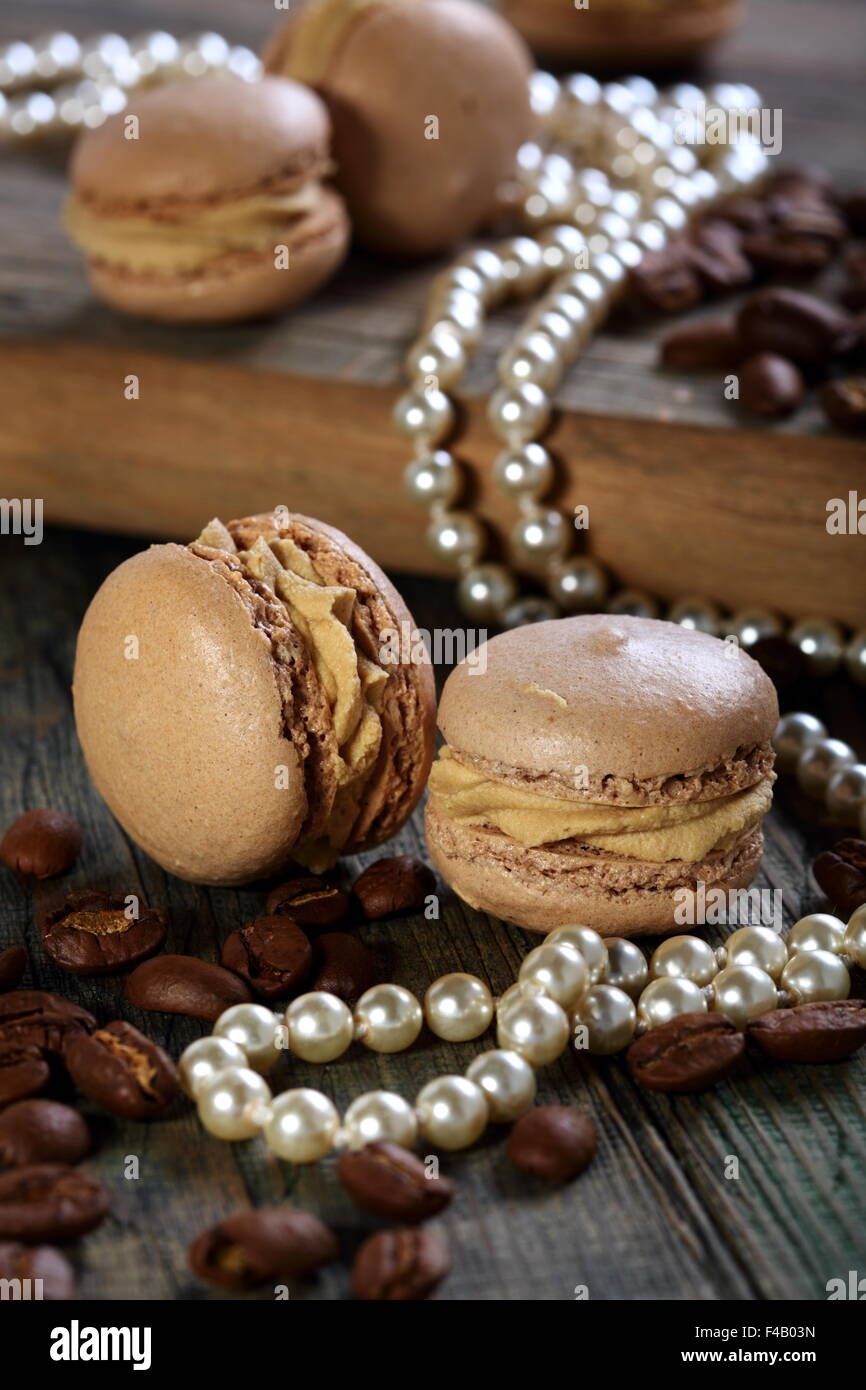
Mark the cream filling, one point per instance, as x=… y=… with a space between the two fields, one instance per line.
x=353 y=684
x=315 y=36
x=689 y=831
x=191 y=240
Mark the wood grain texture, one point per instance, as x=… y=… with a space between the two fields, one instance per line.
x=652 y=1218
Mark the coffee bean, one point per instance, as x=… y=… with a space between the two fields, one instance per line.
x=344 y=966
x=797 y=326
x=262 y=1247
x=23 y=1072
x=715 y=251
x=667 y=280
x=708 y=343
x=749 y=214
x=824 y=1032
x=272 y=953
x=42 y=1131
x=786 y=253
x=688 y=1053
x=50 y=1201
x=391 y=1182
x=841 y=874
x=555 y=1142
x=52 y=1270
x=314 y=903
x=844 y=403
x=13 y=963
x=770 y=385
x=123 y=1071
x=33 y=1016
x=400 y=1266
x=97 y=933
x=41 y=844
x=394 y=885
x=184 y=985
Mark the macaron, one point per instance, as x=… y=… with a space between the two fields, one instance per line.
x=595 y=767
x=246 y=701
x=429 y=101
x=623 y=33
x=204 y=201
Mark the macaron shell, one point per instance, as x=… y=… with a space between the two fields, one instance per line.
x=618 y=697
x=237 y=287
x=211 y=138
x=615 y=31
x=184 y=740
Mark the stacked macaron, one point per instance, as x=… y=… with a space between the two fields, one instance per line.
x=242 y=703
x=596 y=767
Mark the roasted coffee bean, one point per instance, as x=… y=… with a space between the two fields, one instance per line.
x=812 y=179
x=314 y=903
x=262 y=1247
x=33 y=1016
x=715 y=252
x=798 y=326
x=13 y=963
x=343 y=966
x=688 y=1053
x=50 y=1201
x=272 y=953
x=391 y=1182
x=394 y=885
x=44 y=1273
x=786 y=252
x=709 y=343
x=770 y=385
x=841 y=874
x=844 y=403
x=555 y=1142
x=749 y=214
x=41 y=844
x=23 y=1072
x=184 y=985
x=123 y=1071
x=97 y=933
x=824 y=1032
x=42 y=1131
x=667 y=280
x=400 y=1266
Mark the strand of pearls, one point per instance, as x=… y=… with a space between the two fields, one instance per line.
x=826 y=768
x=56 y=85
x=600 y=994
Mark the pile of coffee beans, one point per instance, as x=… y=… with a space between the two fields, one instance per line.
x=782 y=340
x=841 y=875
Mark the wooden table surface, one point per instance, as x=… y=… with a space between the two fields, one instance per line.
x=654 y=1217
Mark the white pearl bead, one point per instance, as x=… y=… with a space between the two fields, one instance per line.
x=759 y=946
x=696 y=614
x=508 y=1083
x=433 y=478
x=438 y=354
x=578 y=585
x=302 y=1126
x=380 y=1117
x=535 y=1027
x=534 y=358
x=665 y=999
x=460 y=310
x=424 y=415
x=543 y=94
x=588 y=287
x=575 y=310
x=627 y=967
x=254 y=1029
x=855 y=657
x=230 y=1102
x=515 y=991
x=811 y=976
x=752 y=625
x=204 y=1058
x=555 y=970
x=388 y=1018
x=744 y=992
x=607 y=268
x=609 y=1017
x=528 y=610
x=559 y=329
x=633 y=603
x=819 y=763
x=794 y=733
x=684 y=957
x=538 y=538
x=588 y=943
x=452 y=1112
x=562 y=248
x=519 y=413
x=458 y=277
x=846 y=793
x=320 y=1026
x=522 y=265
x=855 y=936
x=458 y=1007
x=523 y=472
x=457 y=536
x=821 y=643
x=488 y=265
x=485 y=591
x=818 y=932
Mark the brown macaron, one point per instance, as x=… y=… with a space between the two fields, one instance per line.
x=621 y=34
x=598 y=766
x=203 y=202
x=429 y=101
x=245 y=702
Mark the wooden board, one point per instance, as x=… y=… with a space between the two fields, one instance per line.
x=653 y=1218
x=298 y=410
